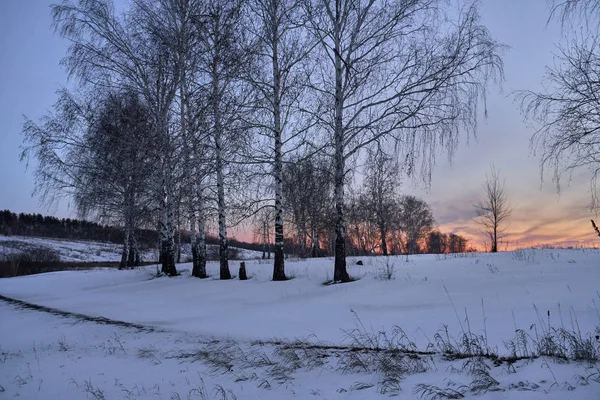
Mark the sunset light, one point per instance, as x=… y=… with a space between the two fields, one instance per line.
x=300 y=199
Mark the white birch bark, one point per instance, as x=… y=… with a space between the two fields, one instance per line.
x=340 y=273
x=400 y=70
x=217 y=134
x=201 y=239
x=278 y=265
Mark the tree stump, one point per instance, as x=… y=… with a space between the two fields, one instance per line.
x=242 y=273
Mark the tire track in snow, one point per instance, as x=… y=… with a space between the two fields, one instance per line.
x=69 y=314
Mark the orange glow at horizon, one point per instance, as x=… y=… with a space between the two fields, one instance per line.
x=523 y=232
x=538 y=219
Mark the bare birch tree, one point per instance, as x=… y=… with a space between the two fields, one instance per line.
x=297 y=191
x=262 y=230
x=381 y=191
x=58 y=144
x=307 y=196
x=116 y=181
x=493 y=209
x=97 y=149
x=281 y=48
x=415 y=221
x=567 y=111
x=400 y=69
x=220 y=67
x=362 y=235
x=570 y=12
x=186 y=24
x=128 y=51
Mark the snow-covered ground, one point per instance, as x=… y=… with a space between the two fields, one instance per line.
x=87 y=251
x=68 y=250
x=220 y=339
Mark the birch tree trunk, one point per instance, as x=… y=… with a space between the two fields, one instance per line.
x=383 y=233
x=340 y=274
x=279 y=263
x=278 y=79
x=201 y=239
x=133 y=257
x=315 y=244
x=167 y=253
x=178 y=248
x=219 y=48
x=124 y=254
x=198 y=243
x=198 y=238
x=223 y=245
x=264 y=239
x=193 y=245
x=224 y=272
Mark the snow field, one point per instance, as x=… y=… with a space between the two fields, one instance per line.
x=88 y=251
x=427 y=293
x=249 y=324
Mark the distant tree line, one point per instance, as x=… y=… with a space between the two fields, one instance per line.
x=38 y=225
x=380 y=220
x=66 y=228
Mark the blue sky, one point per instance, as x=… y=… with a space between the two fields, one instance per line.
x=30 y=75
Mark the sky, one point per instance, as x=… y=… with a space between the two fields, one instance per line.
x=30 y=75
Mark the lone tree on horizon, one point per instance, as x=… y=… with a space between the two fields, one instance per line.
x=494 y=208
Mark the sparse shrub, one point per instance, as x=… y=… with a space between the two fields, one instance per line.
x=523 y=386
x=580 y=348
x=361 y=386
x=493 y=269
x=390 y=356
x=467 y=344
x=62 y=344
x=482 y=381
x=389 y=384
x=220 y=356
x=525 y=255
x=386 y=271
x=433 y=392
x=149 y=353
x=224 y=394
x=518 y=346
x=559 y=343
x=95 y=392
x=42 y=254
x=31 y=260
